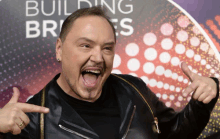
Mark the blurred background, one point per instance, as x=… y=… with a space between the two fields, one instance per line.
x=153 y=37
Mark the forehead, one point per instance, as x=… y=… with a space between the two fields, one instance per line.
x=92 y=27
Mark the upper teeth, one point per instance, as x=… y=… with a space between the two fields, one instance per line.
x=93 y=71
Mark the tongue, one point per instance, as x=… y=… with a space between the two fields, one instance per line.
x=89 y=78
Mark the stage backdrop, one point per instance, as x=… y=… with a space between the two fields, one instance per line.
x=153 y=37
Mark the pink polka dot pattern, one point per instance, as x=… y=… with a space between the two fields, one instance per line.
x=164 y=40
x=163 y=37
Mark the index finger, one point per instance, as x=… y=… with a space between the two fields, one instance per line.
x=187 y=71
x=15 y=96
x=32 y=108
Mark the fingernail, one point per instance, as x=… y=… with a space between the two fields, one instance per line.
x=180 y=63
x=46 y=110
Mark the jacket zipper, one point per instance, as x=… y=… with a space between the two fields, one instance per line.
x=124 y=136
x=155 y=118
x=74 y=132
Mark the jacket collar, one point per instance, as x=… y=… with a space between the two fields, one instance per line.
x=126 y=106
x=71 y=120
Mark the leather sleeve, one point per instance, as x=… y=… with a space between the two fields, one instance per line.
x=31 y=131
x=188 y=123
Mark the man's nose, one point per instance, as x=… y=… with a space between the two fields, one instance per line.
x=97 y=55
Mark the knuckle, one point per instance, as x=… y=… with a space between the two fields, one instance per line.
x=13 y=116
x=15 y=109
x=213 y=95
x=199 y=80
x=5 y=131
x=19 y=131
x=189 y=89
x=16 y=131
x=38 y=108
x=28 y=121
x=205 y=101
x=11 y=124
x=13 y=131
x=209 y=88
x=22 y=127
x=194 y=97
x=204 y=85
x=200 y=99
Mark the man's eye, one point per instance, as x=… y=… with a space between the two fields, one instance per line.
x=108 y=48
x=85 y=45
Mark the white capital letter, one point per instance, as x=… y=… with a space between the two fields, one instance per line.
x=129 y=27
x=113 y=5
x=61 y=24
x=51 y=30
x=79 y=1
x=33 y=29
x=65 y=9
x=32 y=8
x=47 y=14
x=115 y=21
x=128 y=12
x=59 y=7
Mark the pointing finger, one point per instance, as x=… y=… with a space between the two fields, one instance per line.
x=187 y=71
x=32 y=108
x=15 y=97
x=191 y=88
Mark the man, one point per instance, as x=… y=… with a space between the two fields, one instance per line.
x=87 y=101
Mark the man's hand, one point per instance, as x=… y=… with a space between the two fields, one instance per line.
x=204 y=89
x=12 y=116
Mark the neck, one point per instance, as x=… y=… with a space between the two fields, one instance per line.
x=61 y=81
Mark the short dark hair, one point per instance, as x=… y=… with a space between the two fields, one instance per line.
x=96 y=10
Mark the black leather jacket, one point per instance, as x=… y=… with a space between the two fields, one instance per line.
x=139 y=109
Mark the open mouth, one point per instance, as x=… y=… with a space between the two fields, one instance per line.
x=90 y=77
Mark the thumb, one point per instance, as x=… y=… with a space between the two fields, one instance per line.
x=187 y=71
x=15 y=97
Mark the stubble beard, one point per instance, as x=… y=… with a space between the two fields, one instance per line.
x=74 y=90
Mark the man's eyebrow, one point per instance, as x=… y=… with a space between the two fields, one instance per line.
x=109 y=43
x=88 y=40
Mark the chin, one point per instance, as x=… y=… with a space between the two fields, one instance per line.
x=89 y=95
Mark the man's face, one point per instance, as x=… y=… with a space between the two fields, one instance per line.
x=87 y=57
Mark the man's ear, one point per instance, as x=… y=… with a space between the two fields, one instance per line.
x=59 y=46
